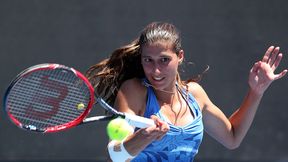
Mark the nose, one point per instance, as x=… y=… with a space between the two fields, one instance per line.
x=156 y=69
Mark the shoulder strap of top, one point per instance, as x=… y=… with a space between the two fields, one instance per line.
x=145 y=82
x=188 y=97
x=151 y=103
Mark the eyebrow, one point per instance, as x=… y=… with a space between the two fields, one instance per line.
x=163 y=55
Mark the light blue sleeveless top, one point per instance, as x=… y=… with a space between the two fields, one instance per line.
x=181 y=143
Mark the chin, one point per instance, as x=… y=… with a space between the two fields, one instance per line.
x=159 y=85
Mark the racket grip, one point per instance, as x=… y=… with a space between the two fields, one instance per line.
x=138 y=121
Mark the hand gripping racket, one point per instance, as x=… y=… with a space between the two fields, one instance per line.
x=52 y=97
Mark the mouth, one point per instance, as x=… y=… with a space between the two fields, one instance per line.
x=158 y=78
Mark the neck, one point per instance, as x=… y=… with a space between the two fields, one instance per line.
x=166 y=97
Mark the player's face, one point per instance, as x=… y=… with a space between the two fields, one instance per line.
x=160 y=64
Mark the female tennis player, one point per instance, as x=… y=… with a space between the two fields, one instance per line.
x=142 y=78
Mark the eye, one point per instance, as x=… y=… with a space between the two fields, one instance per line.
x=146 y=60
x=165 y=60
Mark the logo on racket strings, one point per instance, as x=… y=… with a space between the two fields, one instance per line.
x=54 y=102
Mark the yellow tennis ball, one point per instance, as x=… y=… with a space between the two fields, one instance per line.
x=118 y=129
x=80 y=106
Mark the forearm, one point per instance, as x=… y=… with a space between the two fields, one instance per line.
x=137 y=142
x=231 y=132
x=242 y=119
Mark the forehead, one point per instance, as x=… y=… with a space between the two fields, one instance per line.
x=162 y=47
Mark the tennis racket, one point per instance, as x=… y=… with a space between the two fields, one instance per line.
x=52 y=97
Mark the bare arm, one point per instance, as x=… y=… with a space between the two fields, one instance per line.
x=230 y=132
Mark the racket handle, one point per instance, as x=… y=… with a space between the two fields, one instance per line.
x=138 y=121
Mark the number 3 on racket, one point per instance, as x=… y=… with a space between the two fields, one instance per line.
x=52 y=97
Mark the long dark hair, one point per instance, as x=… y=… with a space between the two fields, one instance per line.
x=125 y=62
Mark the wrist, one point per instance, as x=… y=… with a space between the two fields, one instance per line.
x=118 y=152
x=255 y=93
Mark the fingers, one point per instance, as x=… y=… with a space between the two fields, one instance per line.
x=256 y=67
x=267 y=54
x=272 y=57
x=162 y=126
x=159 y=123
x=158 y=131
x=280 y=75
x=277 y=61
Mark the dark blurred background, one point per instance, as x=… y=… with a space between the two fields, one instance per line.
x=227 y=35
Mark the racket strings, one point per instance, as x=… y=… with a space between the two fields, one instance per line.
x=47 y=107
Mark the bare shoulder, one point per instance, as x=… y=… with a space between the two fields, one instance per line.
x=131 y=85
x=131 y=96
x=195 y=88
x=198 y=92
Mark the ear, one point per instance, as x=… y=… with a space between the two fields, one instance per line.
x=180 y=56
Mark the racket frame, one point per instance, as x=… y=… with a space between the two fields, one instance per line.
x=134 y=120
x=49 y=66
